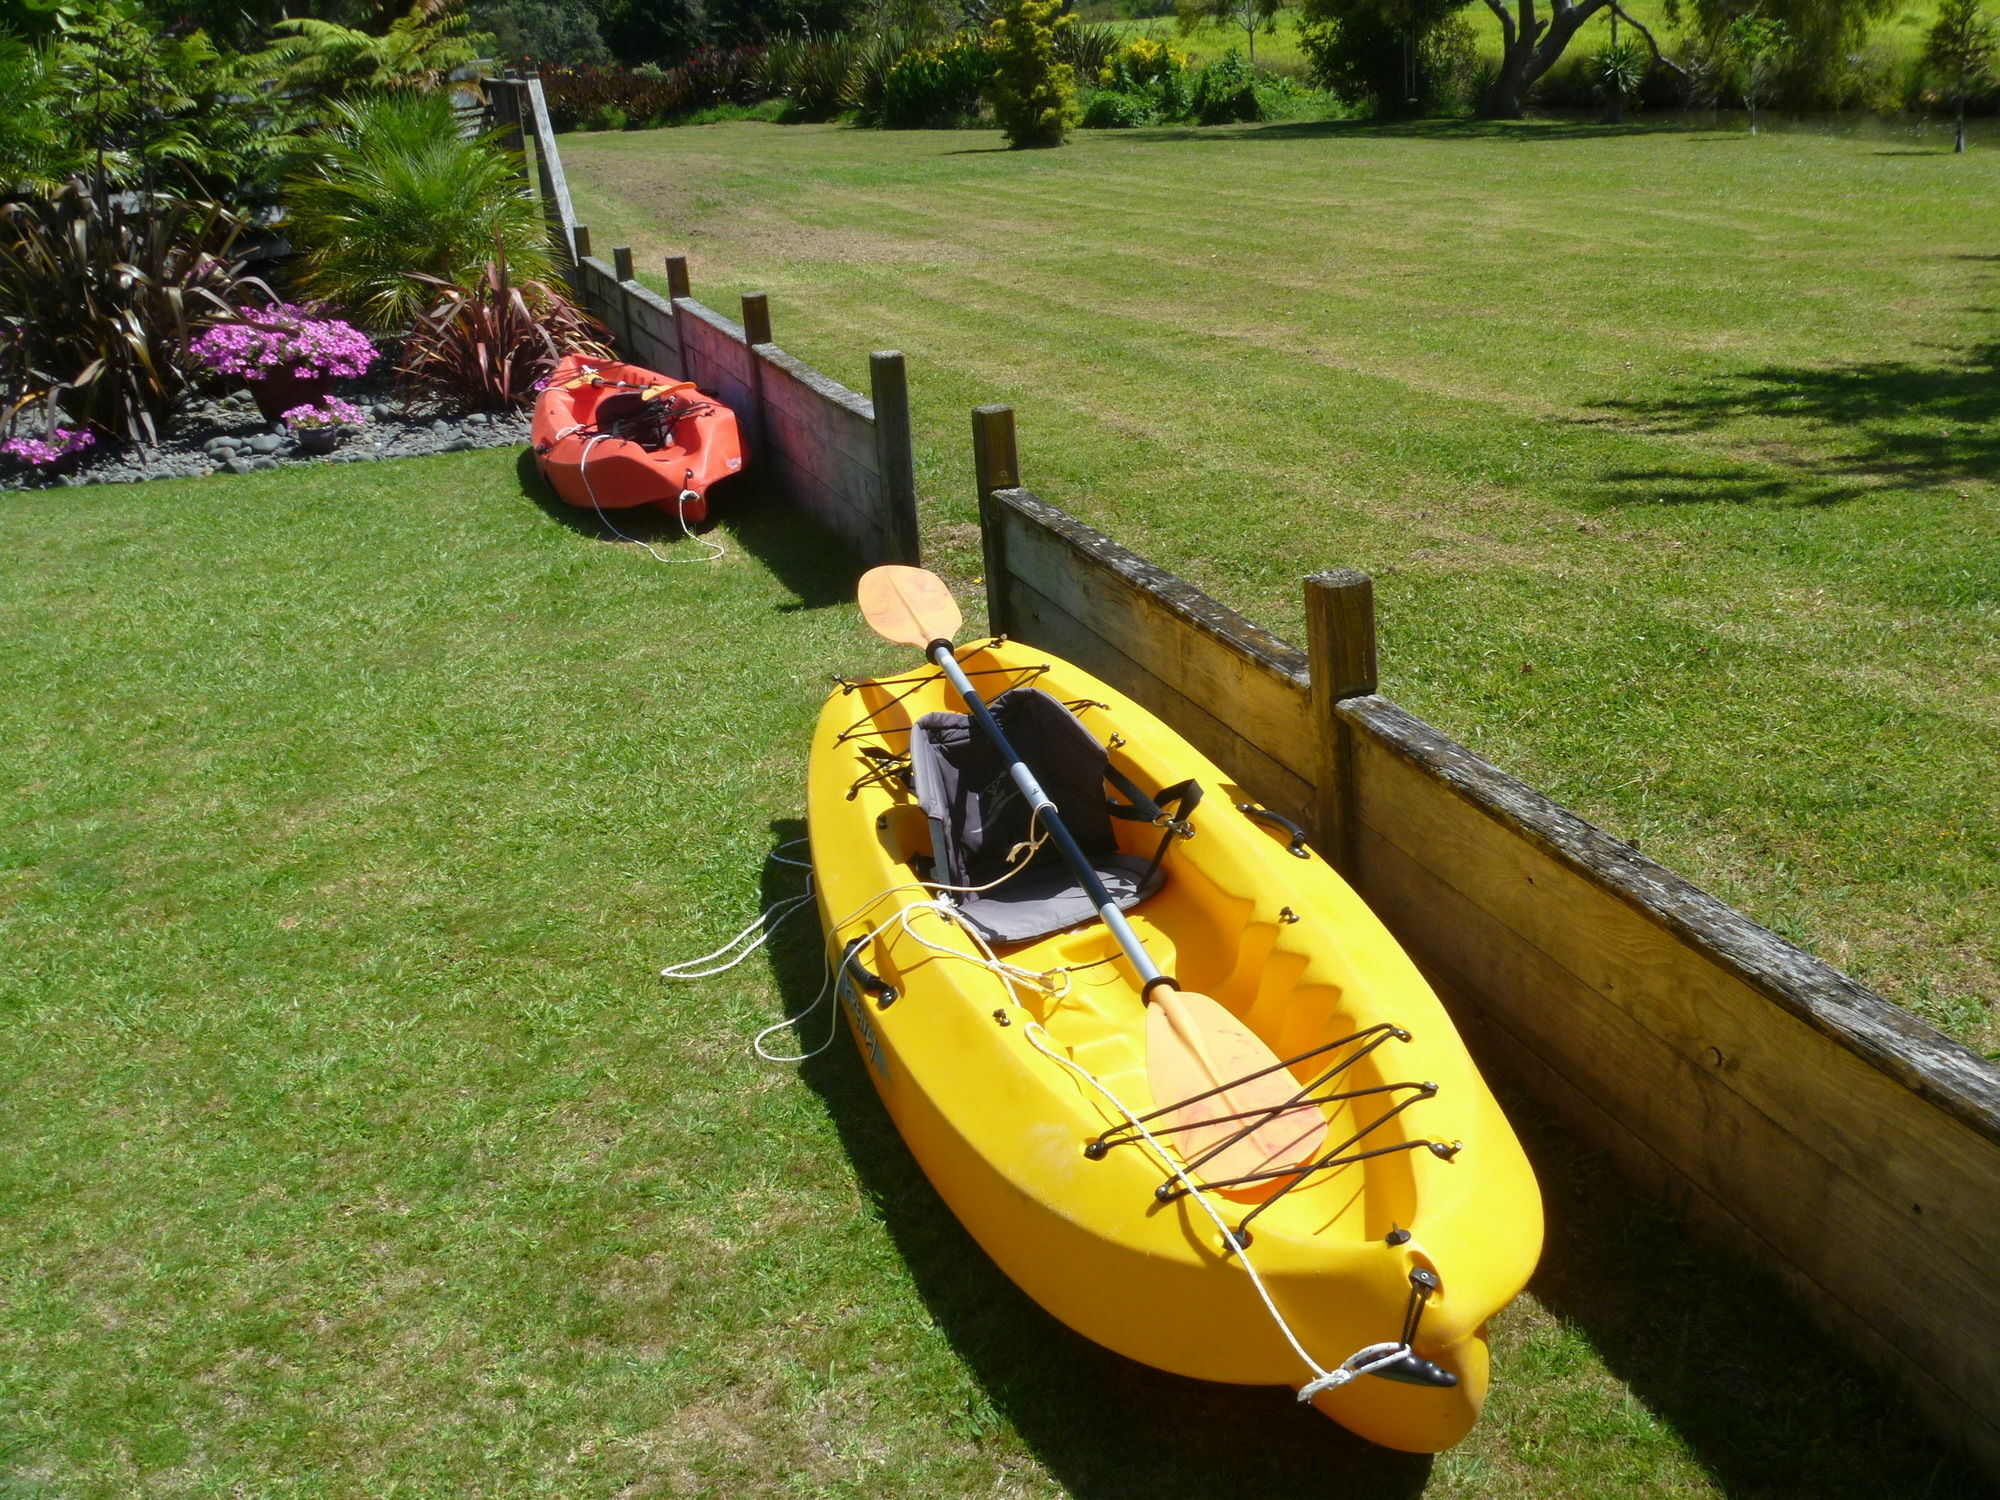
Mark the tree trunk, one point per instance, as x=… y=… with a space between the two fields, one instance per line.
x=1507 y=98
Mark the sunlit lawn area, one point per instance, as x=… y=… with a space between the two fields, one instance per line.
x=1673 y=452
x=350 y=1145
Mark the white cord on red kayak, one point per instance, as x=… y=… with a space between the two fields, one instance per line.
x=715 y=549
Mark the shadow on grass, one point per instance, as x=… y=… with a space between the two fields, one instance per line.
x=1894 y=422
x=1525 y=132
x=807 y=561
x=1719 y=1353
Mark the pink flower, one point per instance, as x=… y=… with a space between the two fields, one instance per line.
x=59 y=444
x=331 y=412
x=270 y=340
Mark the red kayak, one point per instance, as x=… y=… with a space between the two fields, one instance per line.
x=610 y=436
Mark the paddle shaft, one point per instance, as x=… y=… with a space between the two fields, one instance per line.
x=1079 y=862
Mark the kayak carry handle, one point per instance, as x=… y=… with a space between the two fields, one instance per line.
x=1279 y=821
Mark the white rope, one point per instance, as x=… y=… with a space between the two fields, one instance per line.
x=1363 y=1361
x=715 y=549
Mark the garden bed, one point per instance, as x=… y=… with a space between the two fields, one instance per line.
x=226 y=435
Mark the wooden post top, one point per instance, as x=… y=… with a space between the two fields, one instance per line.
x=756 y=318
x=678 y=284
x=994 y=455
x=1340 y=634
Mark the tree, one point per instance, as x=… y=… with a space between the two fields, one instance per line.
x=1822 y=38
x=1394 y=56
x=1759 y=46
x=1530 y=45
x=1962 y=46
x=1251 y=16
x=1033 y=94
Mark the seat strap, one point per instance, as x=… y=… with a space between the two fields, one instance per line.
x=1182 y=796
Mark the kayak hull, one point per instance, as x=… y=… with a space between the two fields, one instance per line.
x=593 y=471
x=998 y=1114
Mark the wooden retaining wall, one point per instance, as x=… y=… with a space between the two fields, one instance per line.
x=845 y=459
x=1827 y=1134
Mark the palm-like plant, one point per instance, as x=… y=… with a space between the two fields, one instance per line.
x=397 y=189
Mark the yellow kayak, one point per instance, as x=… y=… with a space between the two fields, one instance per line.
x=1015 y=1062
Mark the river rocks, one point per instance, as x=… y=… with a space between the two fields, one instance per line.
x=226 y=436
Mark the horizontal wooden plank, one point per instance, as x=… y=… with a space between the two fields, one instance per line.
x=1903 y=1293
x=1893 y=1041
x=828 y=389
x=1041 y=621
x=862 y=534
x=816 y=419
x=813 y=444
x=1176 y=633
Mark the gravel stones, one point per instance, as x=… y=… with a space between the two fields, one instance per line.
x=226 y=435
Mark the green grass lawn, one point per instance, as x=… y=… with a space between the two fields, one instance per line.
x=349 y=1145
x=1673 y=452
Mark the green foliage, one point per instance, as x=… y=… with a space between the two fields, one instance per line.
x=1620 y=69
x=1391 y=57
x=98 y=297
x=397 y=189
x=1114 y=109
x=813 y=76
x=1033 y=91
x=1823 y=64
x=926 y=88
x=110 y=95
x=420 y=50
x=1225 y=91
x=555 y=31
x=1088 y=47
x=1759 y=46
x=1962 y=44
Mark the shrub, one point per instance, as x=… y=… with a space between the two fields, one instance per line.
x=812 y=77
x=1225 y=91
x=1033 y=92
x=1088 y=48
x=1113 y=109
x=1142 y=64
x=98 y=297
x=421 y=49
x=494 y=344
x=397 y=190
x=930 y=88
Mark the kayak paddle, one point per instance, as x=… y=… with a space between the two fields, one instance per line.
x=1194 y=1045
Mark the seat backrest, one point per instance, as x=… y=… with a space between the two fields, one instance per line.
x=977 y=814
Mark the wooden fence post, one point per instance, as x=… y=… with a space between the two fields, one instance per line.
x=757 y=330
x=678 y=286
x=1340 y=652
x=895 y=456
x=556 y=206
x=997 y=464
x=506 y=96
x=579 y=236
x=621 y=262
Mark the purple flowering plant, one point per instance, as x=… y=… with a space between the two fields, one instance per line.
x=60 y=444
x=331 y=412
x=268 y=341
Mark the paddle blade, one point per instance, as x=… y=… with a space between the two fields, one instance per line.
x=1193 y=1045
x=908 y=605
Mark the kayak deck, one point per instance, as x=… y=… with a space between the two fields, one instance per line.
x=1017 y=1097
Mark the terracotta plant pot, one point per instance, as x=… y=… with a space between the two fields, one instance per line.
x=296 y=385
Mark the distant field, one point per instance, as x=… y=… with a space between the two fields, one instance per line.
x=1673 y=453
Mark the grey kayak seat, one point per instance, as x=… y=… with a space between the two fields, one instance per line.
x=979 y=818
